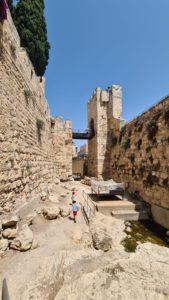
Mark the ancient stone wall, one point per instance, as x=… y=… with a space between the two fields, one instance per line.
x=28 y=159
x=63 y=148
x=103 y=107
x=78 y=166
x=140 y=155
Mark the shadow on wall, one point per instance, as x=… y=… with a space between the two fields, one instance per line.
x=107 y=153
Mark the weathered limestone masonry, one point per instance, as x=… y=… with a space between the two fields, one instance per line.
x=28 y=159
x=140 y=158
x=63 y=147
x=104 y=107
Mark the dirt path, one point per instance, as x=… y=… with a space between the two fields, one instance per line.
x=64 y=267
x=53 y=236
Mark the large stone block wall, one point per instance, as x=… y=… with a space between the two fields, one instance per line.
x=103 y=107
x=63 y=147
x=28 y=159
x=92 y=144
x=78 y=166
x=141 y=156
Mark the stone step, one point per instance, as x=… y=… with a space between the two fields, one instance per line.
x=119 y=205
x=130 y=215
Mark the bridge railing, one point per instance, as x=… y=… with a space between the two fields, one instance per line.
x=83 y=134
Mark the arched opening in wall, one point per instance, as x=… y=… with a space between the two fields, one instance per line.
x=80 y=161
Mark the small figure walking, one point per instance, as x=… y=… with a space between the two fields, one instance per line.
x=73 y=195
x=75 y=209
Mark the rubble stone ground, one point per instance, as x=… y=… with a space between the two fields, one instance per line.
x=64 y=264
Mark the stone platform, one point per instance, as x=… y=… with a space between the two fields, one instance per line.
x=121 y=209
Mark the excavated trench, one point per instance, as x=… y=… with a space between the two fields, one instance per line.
x=144 y=231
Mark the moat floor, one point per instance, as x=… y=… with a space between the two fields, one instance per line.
x=66 y=266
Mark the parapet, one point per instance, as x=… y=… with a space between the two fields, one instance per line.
x=60 y=124
x=112 y=96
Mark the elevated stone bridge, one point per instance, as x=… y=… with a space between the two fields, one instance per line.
x=83 y=135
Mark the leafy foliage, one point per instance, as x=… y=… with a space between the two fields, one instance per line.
x=40 y=126
x=27 y=93
x=31 y=26
x=125 y=143
x=122 y=133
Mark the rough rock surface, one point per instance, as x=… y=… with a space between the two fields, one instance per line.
x=3 y=244
x=24 y=239
x=53 y=198
x=10 y=233
x=30 y=218
x=9 y=221
x=35 y=244
x=82 y=237
x=57 y=181
x=101 y=240
x=107 y=232
x=65 y=211
x=136 y=276
x=44 y=196
x=66 y=266
x=51 y=213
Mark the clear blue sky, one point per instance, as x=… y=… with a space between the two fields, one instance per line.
x=103 y=42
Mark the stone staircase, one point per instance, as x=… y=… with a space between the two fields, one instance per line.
x=124 y=209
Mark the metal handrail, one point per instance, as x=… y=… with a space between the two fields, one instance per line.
x=5 y=293
x=88 y=207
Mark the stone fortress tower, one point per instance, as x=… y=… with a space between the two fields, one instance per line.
x=104 y=108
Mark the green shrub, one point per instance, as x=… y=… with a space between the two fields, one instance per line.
x=125 y=143
x=122 y=133
x=27 y=93
x=40 y=126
